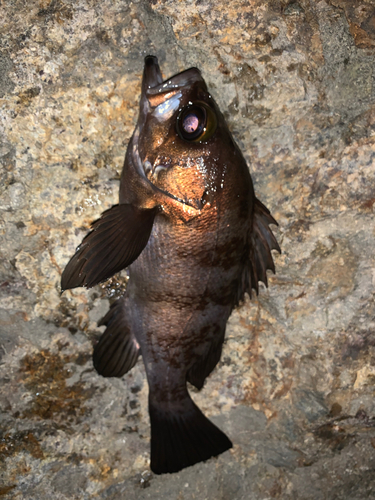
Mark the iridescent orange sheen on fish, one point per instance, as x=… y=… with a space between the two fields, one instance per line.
x=195 y=239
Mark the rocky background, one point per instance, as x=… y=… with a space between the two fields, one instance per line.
x=295 y=387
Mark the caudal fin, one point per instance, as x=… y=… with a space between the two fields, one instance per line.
x=183 y=438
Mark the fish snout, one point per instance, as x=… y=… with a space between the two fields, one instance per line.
x=151 y=73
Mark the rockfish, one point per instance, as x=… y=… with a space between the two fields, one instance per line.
x=195 y=239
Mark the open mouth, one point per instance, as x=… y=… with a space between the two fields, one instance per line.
x=153 y=84
x=151 y=73
x=161 y=98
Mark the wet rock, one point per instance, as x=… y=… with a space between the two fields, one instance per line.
x=294 y=389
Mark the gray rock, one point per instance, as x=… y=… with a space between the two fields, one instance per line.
x=294 y=388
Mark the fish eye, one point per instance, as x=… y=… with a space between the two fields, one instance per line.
x=196 y=122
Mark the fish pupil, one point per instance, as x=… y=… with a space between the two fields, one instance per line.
x=192 y=122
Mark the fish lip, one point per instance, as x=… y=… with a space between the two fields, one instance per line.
x=177 y=82
x=151 y=73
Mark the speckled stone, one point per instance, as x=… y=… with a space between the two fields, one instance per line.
x=294 y=389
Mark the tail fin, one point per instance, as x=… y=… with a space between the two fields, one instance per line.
x=183 y=438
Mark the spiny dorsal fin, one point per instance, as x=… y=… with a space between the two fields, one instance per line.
x=262 y=241
x=115 y=241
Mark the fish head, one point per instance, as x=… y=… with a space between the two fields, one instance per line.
x=182 y=144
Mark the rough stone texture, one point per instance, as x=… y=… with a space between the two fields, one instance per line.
x=295 y=387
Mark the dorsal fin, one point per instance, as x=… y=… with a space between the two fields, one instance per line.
x=262 y=241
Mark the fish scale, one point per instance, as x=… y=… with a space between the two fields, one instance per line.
x=195 y=239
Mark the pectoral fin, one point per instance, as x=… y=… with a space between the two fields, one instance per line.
x=262 y=241
x=116 y=240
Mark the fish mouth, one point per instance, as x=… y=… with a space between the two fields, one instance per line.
x=151 y=73
x=161 y=98
x=153 y=84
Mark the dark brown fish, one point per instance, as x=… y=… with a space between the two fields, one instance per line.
x=195 y=239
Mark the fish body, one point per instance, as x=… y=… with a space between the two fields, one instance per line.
x=195 y=239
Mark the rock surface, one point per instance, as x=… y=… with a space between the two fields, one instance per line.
x=295 y=387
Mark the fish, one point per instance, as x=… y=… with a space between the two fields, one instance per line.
x=195 y=240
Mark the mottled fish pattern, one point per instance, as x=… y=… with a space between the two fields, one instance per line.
x=195 y=239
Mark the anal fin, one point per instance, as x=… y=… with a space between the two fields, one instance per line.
x=204 y=366
x=117 y=350
x=115 y=241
